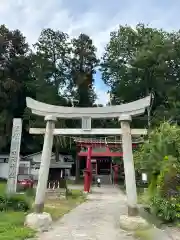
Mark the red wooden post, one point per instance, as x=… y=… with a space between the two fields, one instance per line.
x=89 y=167
x=78 y=164
x=87 y=171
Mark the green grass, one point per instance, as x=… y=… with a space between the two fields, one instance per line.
x=12 y=226
x=12 y=223
x=2 y=188
x=144 y=234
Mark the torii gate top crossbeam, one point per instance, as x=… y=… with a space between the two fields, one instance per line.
x=133 y=109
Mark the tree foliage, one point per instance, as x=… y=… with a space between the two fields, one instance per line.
x=143 y=60
x=83 y=67
x=48 y=73
x=53 y=50
x=15 y=80
x=159 y=157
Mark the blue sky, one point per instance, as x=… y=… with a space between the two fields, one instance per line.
x=95 y=18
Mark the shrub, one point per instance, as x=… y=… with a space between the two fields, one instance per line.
x=161 y=142
x=3 y=203
x=14 y=202
x=3 y=180
x=163 y=208
x=159 y=156
x=30 y=192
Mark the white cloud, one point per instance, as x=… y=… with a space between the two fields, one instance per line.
x=96 y=18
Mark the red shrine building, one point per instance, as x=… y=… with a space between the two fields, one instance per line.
x=102 y=154
x=100 y=158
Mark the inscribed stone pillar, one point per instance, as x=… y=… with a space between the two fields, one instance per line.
x=45 y=164
x=14 y=158
x=129 y=165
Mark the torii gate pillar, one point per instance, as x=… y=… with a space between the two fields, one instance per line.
x=129 y=165
x=45 y=164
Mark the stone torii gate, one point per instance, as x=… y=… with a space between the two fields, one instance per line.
x=123 y=112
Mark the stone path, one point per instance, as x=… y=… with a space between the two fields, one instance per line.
x=96 y=219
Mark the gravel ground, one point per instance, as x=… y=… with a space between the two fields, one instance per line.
x=96 y=219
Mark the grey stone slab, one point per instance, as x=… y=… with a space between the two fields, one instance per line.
x=14 y=156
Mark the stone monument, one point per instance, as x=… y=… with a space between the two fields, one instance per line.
x=14 y=156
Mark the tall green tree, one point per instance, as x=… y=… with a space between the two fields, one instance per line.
x=15 y=80
x=83 y=67
x=53 y=49
x=141 y=61
x=51 y=70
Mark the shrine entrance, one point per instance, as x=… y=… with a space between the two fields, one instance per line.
x=123 y=113
x=104 y=150
x=104 y=166
x=99 y=165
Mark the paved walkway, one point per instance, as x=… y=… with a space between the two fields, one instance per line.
x=96 y=219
